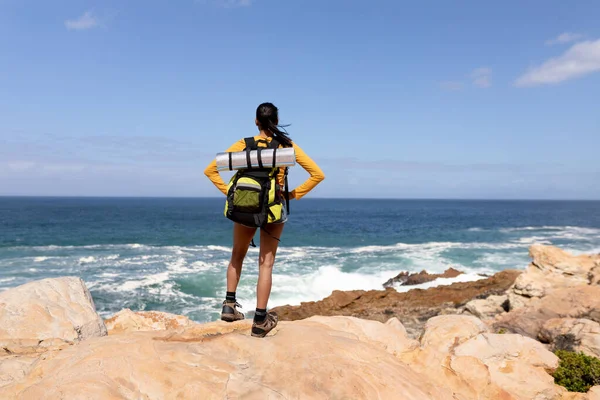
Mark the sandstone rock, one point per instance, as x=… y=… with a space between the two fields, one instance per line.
x=391 y=336
x=129 y=321
x=517 y=364
x=413 y=308
x=302 y=360
x=488 y=307
x=408 y=278
x=594 y=393
x=456 y=353
x=552 y=268
x=51 y=308
x=573 y=335
x=14 y=368
x=578 y=302
x=442 y=333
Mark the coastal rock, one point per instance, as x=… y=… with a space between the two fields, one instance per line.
x=552 y=268
x=594 y=393
x=444 y=332
x=573 y=335
x=302 y=359
x=517 y=364
x=391 y=336
x=579 y=302
x=413 y=308
x=488 y=307
x=59 y=308
x=129 y=321
x=408 y=278
x=457 y=353
x=14 y=368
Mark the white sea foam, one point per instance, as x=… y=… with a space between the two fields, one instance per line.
x=466 y=277
x=155 y=279
x=4 y=280
x=293 y=289
x=87 y=260
x=219 y=248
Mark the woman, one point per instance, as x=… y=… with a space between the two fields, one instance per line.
x=267 y=121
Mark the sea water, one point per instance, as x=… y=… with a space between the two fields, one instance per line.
x=171 y=254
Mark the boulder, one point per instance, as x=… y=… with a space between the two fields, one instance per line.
x=488 y=307
x=129 y=321
x=579 y=302
x=299 y=360
x=517 y=364
x=59 y=308
x=552 y=268
x=458 y=353
x=572 y=334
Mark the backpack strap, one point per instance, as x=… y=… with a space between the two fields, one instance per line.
x=250 y=145
x=287 y=192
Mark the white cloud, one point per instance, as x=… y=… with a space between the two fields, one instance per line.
x=482 y=77
x=18 y=166
x=451 y=85
x=581 y=59
x=86 y=21
x=563 y=38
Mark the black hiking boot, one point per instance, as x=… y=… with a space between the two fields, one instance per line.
x=261 y=329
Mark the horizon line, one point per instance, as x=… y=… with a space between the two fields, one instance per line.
x=311 y=198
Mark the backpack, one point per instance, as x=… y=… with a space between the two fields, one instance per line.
x=254 y=196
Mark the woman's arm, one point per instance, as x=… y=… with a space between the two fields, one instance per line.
x=316 y=175
x=213 y=173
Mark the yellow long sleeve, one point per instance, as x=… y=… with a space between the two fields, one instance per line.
x=316 y=174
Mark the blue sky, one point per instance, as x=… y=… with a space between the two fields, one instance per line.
x=430 y=99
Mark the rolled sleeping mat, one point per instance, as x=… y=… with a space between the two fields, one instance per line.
x=284 y=157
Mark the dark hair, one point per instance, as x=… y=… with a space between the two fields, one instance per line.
x=267 y=116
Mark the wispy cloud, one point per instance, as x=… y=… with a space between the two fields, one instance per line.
x=451 y=85
x=563 y=38
x=87 y=21
x=581 y=59
x=482 y=77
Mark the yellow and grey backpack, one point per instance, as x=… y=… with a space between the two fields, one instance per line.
x=254 y=196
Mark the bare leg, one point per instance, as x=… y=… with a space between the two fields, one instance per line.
x=242 y=235
x=268 y=250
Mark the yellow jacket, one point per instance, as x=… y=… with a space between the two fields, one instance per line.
x=316 y=175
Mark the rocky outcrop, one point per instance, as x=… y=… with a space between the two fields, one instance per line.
x=413 y=308
x=156 y=355
x=60 y=308
x=488 y=307
x=305 y=359
x=581 y=335
x=580 y=302
x=458 y=353
x=409 y=279
x=551 y=269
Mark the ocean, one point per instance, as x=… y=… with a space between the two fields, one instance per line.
x=171 y=254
